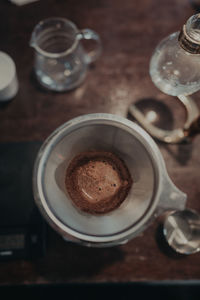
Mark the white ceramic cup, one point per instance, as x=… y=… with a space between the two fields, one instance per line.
x=8 y=78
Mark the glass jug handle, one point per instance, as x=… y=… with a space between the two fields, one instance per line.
x=88 y=34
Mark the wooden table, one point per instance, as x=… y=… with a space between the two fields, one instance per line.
x=129 y=32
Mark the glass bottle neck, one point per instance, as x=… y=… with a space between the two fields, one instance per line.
x=189 y=37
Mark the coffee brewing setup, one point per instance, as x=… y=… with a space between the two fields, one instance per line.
x=175 y=70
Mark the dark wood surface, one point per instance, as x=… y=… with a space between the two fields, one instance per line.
x=129 y=30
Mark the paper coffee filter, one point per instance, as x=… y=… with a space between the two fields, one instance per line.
x=91 y=136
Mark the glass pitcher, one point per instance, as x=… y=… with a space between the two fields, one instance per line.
x=61 y=62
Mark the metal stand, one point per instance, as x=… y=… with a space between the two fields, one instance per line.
x=191 y=127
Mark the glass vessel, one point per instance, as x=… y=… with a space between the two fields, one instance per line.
x=175 y=70
x=175 y=63
x=61 y=62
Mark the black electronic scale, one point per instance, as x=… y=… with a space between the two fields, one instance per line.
x=22 y=228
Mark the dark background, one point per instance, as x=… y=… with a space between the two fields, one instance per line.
x=130 y=30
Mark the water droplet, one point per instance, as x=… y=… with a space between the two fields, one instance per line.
x=67 y=72
x=176 y=72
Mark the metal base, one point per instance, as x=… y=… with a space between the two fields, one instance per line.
x=170 y=136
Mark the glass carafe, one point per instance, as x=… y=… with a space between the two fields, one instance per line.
x=175 y=70
x=175 y=63
x=61 y=62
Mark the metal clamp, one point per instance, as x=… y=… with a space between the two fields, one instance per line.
x=191 y=126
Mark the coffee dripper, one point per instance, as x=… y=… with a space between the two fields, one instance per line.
x=151 y=194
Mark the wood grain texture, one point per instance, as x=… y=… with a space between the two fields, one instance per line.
x=129 y=31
